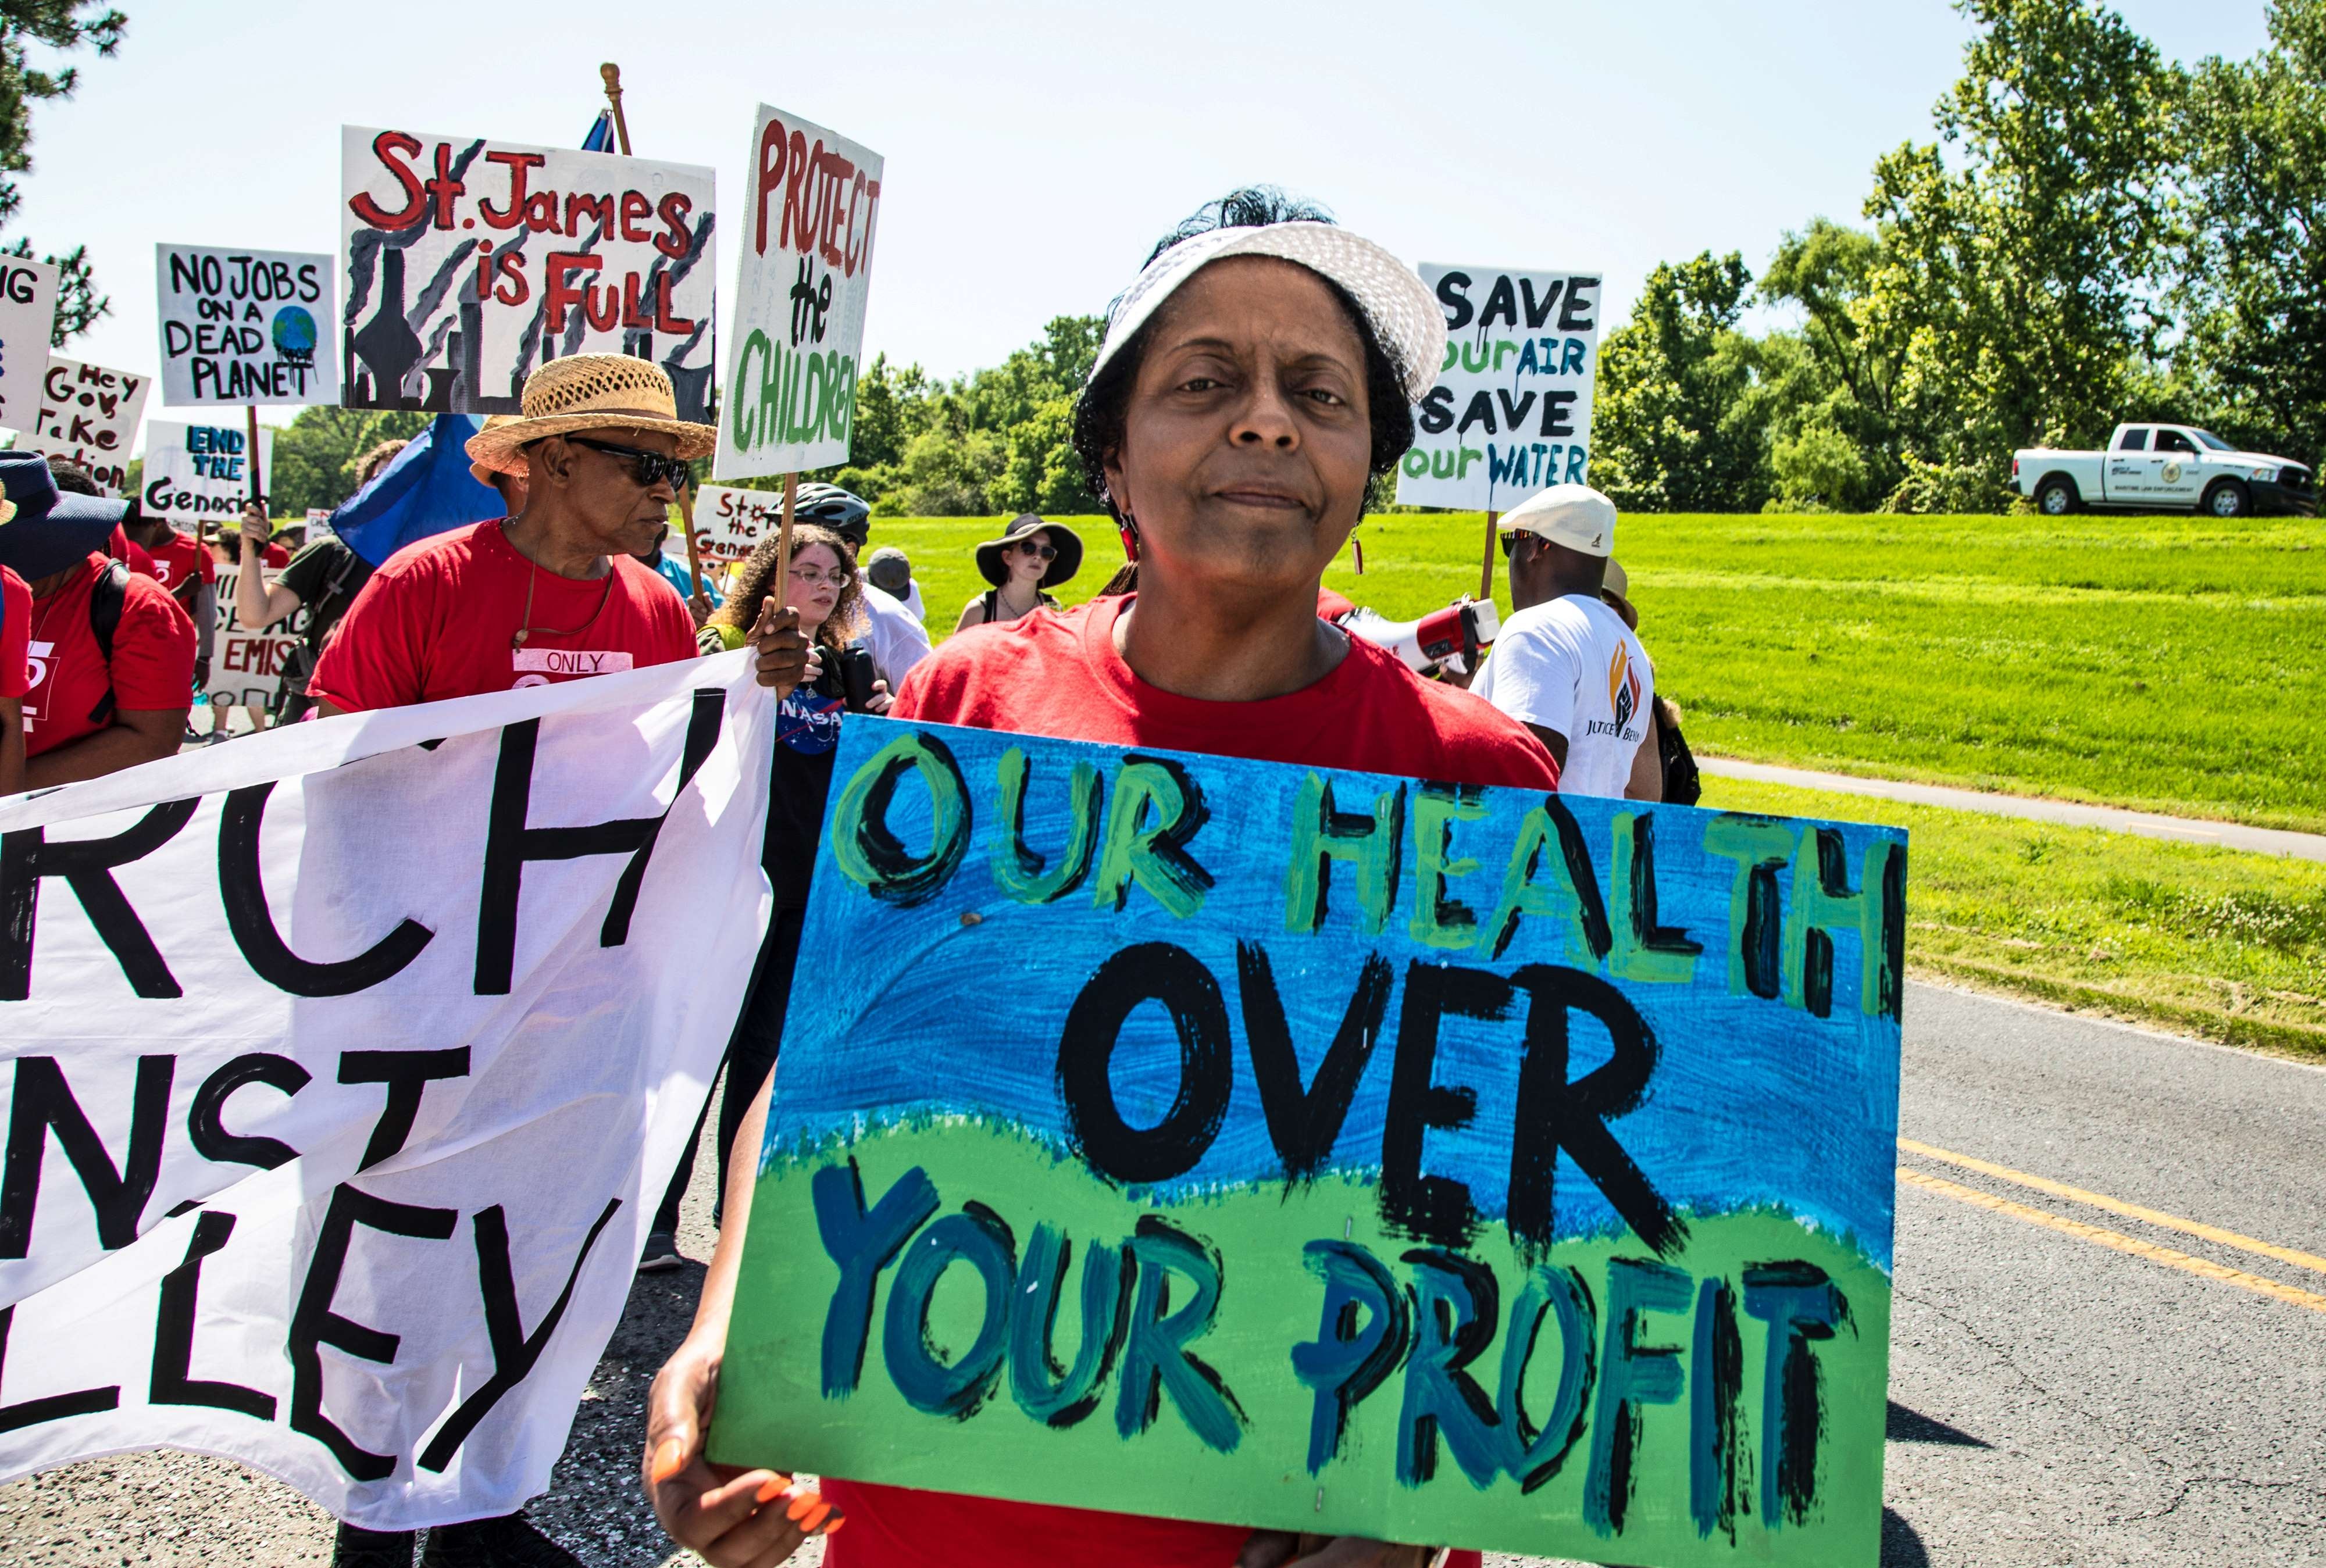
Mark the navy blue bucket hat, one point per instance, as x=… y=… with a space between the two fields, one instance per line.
x=50 y=530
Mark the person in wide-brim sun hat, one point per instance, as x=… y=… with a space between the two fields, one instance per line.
x=991 y=567
x=1031 y=557
x=605 y=395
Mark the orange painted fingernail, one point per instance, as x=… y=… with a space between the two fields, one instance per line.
x=832 y=1526
x=668 y=1460
x=808 y=1526
x=771 y=1488
x=802 y=1504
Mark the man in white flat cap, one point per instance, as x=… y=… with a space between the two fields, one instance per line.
x=1564 y=664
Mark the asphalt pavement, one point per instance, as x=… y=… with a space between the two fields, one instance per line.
x=2108 y=1335
x=2034 y=808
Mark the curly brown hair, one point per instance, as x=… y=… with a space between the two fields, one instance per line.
x=367 y=467
x=757 y=584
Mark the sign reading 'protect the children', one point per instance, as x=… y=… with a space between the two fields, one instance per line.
x=1333 y=1152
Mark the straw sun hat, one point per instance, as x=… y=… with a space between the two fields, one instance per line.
x=589 y=392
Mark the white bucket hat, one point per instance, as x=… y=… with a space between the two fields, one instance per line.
x=1398 y=305
x=1575 y=515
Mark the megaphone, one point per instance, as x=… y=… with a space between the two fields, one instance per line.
x=1455 y=633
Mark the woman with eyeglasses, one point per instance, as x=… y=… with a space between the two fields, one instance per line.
x=1031 y=557
x=825 y=593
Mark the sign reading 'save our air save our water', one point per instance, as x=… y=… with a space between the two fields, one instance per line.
x=803 y=272
x=1511 y=413
x=1469 y=1167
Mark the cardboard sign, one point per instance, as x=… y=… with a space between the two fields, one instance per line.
x=470 y=263
x=200 y=473
x=246 y=665
x=327 y=1187
x=1511 y=413
x=729 y=522
x=241 y=327
x=802 y=275
x=1333 y=1152
x=89 y=415
x=318 y=523
x=28 y=316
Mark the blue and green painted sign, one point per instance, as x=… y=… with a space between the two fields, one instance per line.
x=1227 y=1140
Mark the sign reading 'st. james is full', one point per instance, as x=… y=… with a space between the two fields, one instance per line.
x=1333 y=1152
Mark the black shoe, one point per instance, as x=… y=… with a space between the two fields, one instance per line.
x=356 y=1547
x=661 y=1254
x=509 y=1541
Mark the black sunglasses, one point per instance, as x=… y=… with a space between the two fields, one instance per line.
x=648 y=469
x=1046 y=551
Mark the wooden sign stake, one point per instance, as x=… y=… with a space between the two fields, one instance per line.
x=1486 y=569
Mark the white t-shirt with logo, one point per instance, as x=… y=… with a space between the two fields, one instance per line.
x=1572 y=665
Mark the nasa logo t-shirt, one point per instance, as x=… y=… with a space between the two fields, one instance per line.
x=1572 y=665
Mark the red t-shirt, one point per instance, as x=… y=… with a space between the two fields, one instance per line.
x=182 y=560
x=123 y=549
x=153 y=659
x=274 y=557
x=15 y=633
x=1057 y=674
x=440 y=617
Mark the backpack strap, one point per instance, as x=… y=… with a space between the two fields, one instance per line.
x=992 y=601
x=106 y=595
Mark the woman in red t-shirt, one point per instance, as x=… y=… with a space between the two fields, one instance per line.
x=1254 y=379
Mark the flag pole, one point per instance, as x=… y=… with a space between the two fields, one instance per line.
x=257 y=484
x=611 y=75
x=1486 y=569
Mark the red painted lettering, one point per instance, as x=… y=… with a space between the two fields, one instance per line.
x=519 y=165
x=676 y=237
x=636 y=210
x=562 y=289
x=772 y=152
x=598 y=209
x=391 y=148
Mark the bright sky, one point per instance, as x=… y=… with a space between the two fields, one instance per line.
x=1035 y=151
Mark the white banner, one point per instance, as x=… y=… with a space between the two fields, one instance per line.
x=470 y=263
x=803 y=271
x=200 y=473
x=247 y=665
x=240 y=327
x=1511 y=413
x=27 y=315
x=345 y=1067
x=89 y=415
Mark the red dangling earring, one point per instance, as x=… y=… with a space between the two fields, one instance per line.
x=1127 y=527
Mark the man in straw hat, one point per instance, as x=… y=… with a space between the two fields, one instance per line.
x=111 y=654
x=1564 y=664
x=554 y=593
x=1257 y=376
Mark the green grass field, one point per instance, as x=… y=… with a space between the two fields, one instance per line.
x=2168 y=663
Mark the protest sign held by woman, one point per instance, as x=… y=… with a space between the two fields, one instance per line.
x=1253 y=379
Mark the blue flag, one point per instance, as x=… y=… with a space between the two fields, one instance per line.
x=600 y=138
x=427 y=490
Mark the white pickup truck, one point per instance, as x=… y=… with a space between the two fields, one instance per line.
x=2160 y=468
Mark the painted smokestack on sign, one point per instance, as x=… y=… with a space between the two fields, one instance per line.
x=804 y=270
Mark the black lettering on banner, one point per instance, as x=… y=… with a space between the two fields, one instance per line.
x=313 y=1323
x=173 y=1332
x=407 y=1074
x=248 y=917
x=87 y=865
x=509 y=844
x=1304 y=1120
x=205 y=1119
x=1554 y=1114
x=1150 y=972
x=53 y=1406
x=44 y=1103
x=1432 y=1208
x=515 y=1353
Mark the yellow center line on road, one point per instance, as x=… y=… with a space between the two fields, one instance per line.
x=2115 y=1239
x=2197 y=1228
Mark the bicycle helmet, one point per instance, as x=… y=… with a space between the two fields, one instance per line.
x=844 y=513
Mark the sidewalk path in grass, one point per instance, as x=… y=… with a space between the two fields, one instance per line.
x=2035 y=808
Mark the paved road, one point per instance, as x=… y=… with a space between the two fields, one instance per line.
x=2070 y=1383
x=2147 y=824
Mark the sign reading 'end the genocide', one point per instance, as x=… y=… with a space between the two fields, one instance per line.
x=1443 y=1165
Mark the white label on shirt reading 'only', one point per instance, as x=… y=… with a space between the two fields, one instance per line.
x=568 y=661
